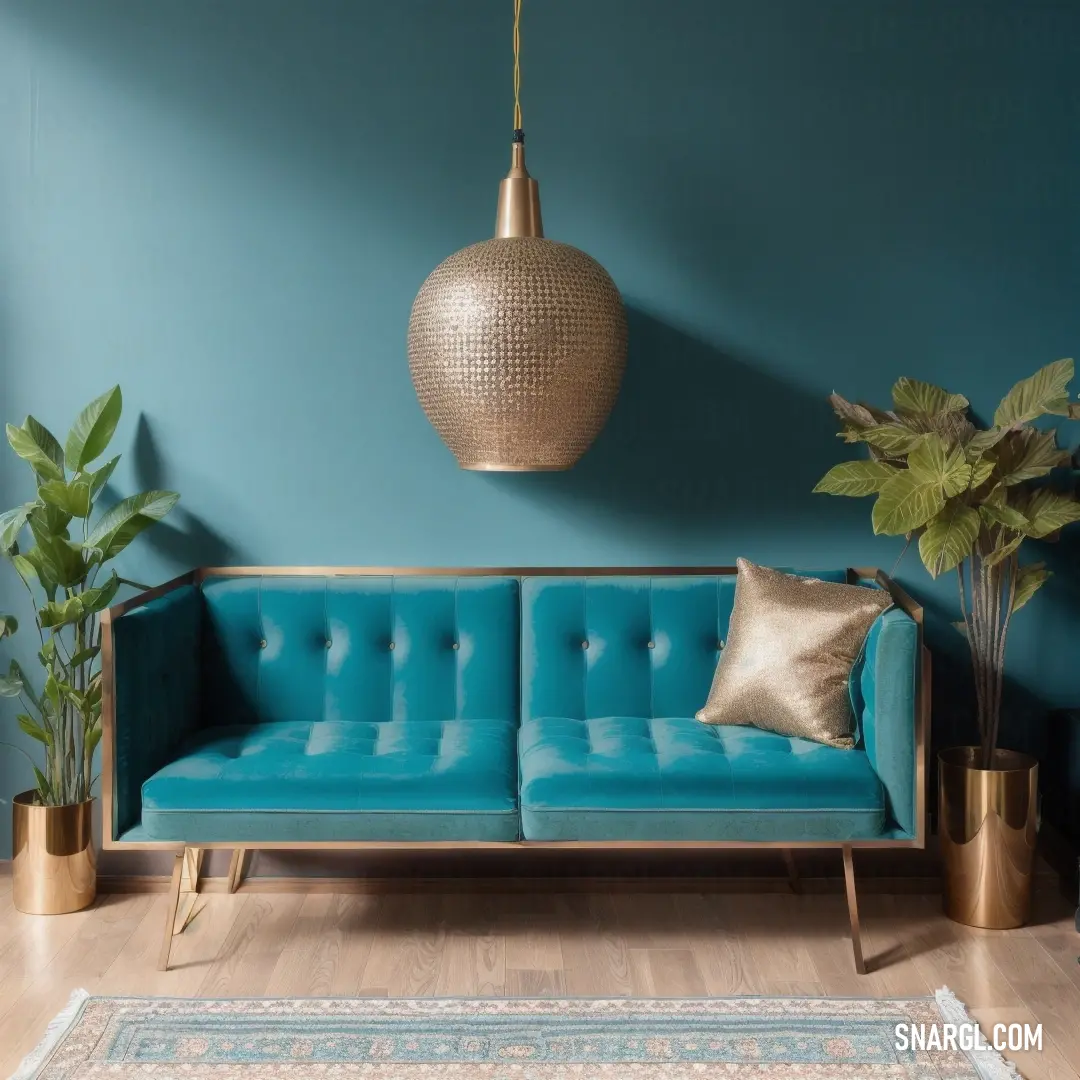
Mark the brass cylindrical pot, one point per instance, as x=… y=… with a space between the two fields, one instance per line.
x=54 y=865
x=987 y=826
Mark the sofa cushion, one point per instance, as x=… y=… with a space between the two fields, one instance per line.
x=623 y=646
x=399 y=780
x=361 y=648
x=792 y=644
x=674 y=778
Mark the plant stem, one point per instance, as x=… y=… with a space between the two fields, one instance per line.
x=1012 y=571
x=975 y=638
x=994 y=669
x=969 y=623
x=986 y=579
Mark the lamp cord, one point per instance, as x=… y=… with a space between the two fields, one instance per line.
x=519 y=135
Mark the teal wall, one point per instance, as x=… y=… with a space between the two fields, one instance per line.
x=228 y=205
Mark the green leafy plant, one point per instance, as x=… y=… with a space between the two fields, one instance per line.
x=61 y=574
x=971 y=496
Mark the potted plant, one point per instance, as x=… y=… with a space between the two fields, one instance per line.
x=972 y=496
x=54 y=864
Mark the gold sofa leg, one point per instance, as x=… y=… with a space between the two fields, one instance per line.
x=193 y=860
x=236 y=868
x=170 y=910
x=853 y=910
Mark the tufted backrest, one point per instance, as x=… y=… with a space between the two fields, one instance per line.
x=623 y=646
x=371 y=649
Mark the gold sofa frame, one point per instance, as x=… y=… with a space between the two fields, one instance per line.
x=189 y=859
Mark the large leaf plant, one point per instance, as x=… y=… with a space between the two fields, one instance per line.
x=63 y=574
x=971 y=496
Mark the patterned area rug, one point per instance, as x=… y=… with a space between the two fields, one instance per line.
x=501 y=1039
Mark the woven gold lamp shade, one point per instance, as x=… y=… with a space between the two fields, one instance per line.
x=517 y=344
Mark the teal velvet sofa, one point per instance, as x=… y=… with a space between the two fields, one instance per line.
x=251 y=708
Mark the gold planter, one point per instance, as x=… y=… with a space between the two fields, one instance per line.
x=54 y=866
x=987 y=825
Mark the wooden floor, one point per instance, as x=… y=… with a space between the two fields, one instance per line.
x=588 y=944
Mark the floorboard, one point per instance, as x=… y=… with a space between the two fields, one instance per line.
x=544 y=945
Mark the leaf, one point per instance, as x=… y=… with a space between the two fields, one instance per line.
x=855 y=478
x=1045 y=391
x=93 y=737
x=33 y=453
x=31 y=567
x=46 y=440
x=932 y=462
x=10 y=686
x=980 y=471
x=1000 y=554
x=84 y=656
x=850 y=413
x=33 y=729
x=1029 y=579
x=25 y=568
x=948 y=540
x=93 y=429
x=894 y=439
x=1001 y=514
x=117 y=527
x=1048 y=511
x=60 y=559
x=954 y=427
x=52 y=693
x=72 y=498
x=14 y=682
x=44 y=788
x=62 y=613
x=69 y=693
x=8 y=625
x=49 y=519
x=982 y=441
x=1027 y=454
x=905 y=504
x=925 y=399
x=100 y=478
x=11 y=524
x=101 y=597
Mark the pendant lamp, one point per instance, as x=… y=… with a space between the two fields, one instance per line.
x=517 y=344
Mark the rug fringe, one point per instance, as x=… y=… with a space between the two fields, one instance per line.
x=989 y=1064
x=53 y=1034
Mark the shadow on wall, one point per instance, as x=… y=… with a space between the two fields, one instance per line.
x=183 y=538
x=701 y=443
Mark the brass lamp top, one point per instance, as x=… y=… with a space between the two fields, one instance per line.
x=519 y=197
x=517 y=344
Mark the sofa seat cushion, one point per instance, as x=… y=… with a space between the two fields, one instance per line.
x=674 y=778
x=329 y=780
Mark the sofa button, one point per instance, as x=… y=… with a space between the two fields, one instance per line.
x=329 y=643
x=455 y=646
x=720 y=645
x=390 y=646
x=262 y=643
x=584 y=644
x=652 y=644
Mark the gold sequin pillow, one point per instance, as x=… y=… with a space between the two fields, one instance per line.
x=791 y=645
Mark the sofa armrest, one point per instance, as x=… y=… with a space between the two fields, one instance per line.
x=889 y=685
x=155 y=694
